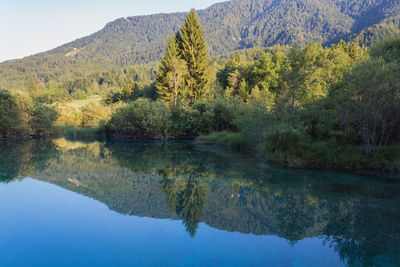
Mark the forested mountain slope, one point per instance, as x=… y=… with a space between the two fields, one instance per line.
x=232 y=25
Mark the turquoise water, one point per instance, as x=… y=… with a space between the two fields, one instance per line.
x=66 y=203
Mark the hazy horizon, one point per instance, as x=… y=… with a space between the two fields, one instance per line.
x=44 y=25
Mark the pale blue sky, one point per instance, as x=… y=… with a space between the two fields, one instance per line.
x=32 y=26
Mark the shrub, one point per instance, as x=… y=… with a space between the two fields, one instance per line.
x=285 y=140
x=142 y=119
x=255 y=122
x=42 y=118
x=205 y=117
x=94 y=114
x=21 y=116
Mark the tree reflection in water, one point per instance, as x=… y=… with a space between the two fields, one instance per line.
x=187 y=193
x=359 y=216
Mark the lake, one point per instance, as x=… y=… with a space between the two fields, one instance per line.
x=72 y=203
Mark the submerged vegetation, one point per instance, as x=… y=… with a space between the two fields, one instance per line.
x=316 y=106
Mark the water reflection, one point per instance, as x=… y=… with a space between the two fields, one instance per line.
x=358 y=216
x=187 y=193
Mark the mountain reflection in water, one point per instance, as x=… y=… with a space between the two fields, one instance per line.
x=359 y=216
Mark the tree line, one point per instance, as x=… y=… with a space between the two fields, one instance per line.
x=310 y=105
x=229 y=26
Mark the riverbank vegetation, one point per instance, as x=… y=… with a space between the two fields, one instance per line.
x=20 y=115
x=315 y=106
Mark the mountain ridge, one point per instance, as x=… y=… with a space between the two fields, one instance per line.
x=229 y=26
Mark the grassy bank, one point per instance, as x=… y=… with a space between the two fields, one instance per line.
x=317 y=154
x=234 y=140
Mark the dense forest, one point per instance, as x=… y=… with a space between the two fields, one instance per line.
x=310 y=105
x=228 y=26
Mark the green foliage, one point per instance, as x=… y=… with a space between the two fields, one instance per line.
x=85 y=113
x=284 y=140
x=324 y=101
x=377 y=32
x=255 y=122
x=241 y=75
x=42 y=118
x=172 y=74
x=228 y=27
x=311 y=71
x=10 y=116
x=184 y=74
x=369 y=100
x=142 y=119
x=193 y=48
x=148 y=119
x=388 y=49
x=94 y=114
x=205 y=117
x=265 y=72
x=20 y=116
x=300 y=104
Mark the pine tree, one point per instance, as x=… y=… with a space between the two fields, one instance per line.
x=194 y=51
x=170 y=81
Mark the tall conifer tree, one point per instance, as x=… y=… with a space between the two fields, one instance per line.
x=194 y=51
x=170 y=81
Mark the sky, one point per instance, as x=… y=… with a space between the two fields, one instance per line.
x=32 y=26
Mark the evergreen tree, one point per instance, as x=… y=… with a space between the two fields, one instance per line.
x=194 y=52
x=170 y=81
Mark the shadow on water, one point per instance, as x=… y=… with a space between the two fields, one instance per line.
x=359 y=216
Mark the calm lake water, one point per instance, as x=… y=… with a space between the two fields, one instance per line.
x=66 y=203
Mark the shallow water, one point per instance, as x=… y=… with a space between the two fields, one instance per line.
x=66 y=203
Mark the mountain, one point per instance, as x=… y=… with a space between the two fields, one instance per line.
x=229 y=26
x=374 y=33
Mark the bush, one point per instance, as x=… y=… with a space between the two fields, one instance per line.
x=83 y=113
x=254 y=123
x=20 y=116
x=284 y=140
x=42 y=118
x=94 y=114
x=142 y=119
x=202 y=118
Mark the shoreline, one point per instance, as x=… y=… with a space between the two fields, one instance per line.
x=289 y=163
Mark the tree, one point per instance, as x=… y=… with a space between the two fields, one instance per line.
x=9 y=114
x=187 y=193
x=21 y=116
x=233 y=82
x=230 y=73
x=170 y=81
x=194 y=51
x=310 y=71
x=369 y=99
x=265 y=72
x=293 y=78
